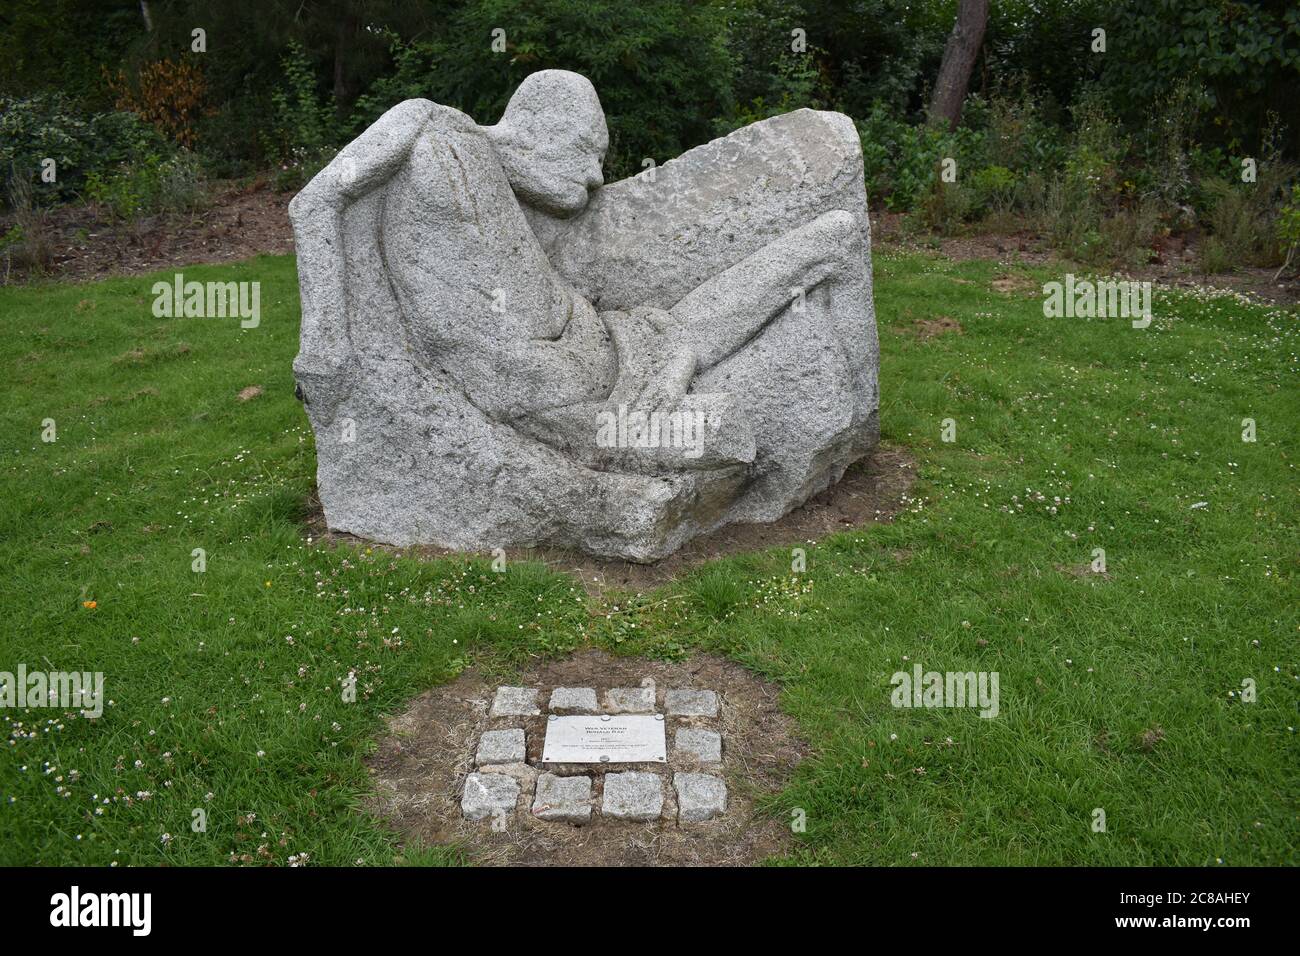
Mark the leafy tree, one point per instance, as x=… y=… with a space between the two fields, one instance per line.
x=660 y=68
x=60 y=45
x=1244 y=54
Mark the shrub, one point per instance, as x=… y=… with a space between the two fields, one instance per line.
x=157 y=184
x=993 y=189
x=1128 y=234
x=168 y=95
x=902 y=162
x=944 y=206
x=1014 y=132
x=48 y=126
x=1167 y=176
x=795 y=84
x=28 y=243
x=663 y=75
x=1244 y=217
x=1243 y=228
x=304 y=132
x=1288 y=229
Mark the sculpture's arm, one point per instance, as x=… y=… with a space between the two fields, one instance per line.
x=316 y=213
x=508 y=378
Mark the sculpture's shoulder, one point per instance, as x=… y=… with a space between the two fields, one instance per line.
x=452 y=158
x=414 y=117
x=413 y=128
x=449 y=121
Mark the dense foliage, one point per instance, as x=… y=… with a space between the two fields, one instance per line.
x=1104 y=142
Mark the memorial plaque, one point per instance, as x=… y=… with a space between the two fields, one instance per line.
x=605 y=738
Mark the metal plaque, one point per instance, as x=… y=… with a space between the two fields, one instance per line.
x=605 y=738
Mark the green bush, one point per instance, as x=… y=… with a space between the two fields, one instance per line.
x=1288 y=229
x=1128 y=233
x=28 y=243
x=1244 y=217
x=993 y=189
x=1015 y=132
x=795 y=84
x=902 y=161
x=1245 y=56
x=47 y=125
x=660 y=69
x=304 y=133
x=154 y=185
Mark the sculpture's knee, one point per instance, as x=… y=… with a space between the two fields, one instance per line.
x=839 y=222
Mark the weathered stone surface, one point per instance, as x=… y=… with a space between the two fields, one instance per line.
x=567 y=799
x=700 y=796
x=630 y=700
x=691 y=703
x=500 y=746
x=573 y=700
x=486 y=328
x=633 y=795
x=695 y=744
x=515 y=702
x=522 y=774
x=488 y=795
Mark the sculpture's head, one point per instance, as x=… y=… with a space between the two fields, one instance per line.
x=551 y=141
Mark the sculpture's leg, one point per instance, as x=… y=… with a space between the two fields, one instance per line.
x=729 y=309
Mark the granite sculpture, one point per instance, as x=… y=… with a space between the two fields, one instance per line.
x=498 y=351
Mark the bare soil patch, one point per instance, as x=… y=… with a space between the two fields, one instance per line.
x=939 y=325
x=241 y=220
x=1082 y=572
x=1009 y=284
x=419 y=770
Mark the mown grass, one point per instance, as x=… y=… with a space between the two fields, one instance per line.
x=1118 y=691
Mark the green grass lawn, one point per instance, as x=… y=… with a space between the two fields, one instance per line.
x=1119 y=692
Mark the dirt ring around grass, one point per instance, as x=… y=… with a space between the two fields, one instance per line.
x=874 y=489
x=420 y=767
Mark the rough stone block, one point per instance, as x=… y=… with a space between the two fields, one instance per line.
x=580 y=700
x=700 y=796
x=487 y=795
x=633 y=795
x=566 y=799
x=691 y=703
x=515 y=702
x=630 y=700
x=702 y=745
x=501 y=746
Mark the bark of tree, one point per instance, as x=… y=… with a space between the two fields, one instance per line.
x=347 y=26
x=958 y=62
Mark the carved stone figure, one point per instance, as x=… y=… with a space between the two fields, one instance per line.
x=498 y=351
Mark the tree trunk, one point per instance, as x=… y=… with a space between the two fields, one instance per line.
x=346 y=28
x=958 y=61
